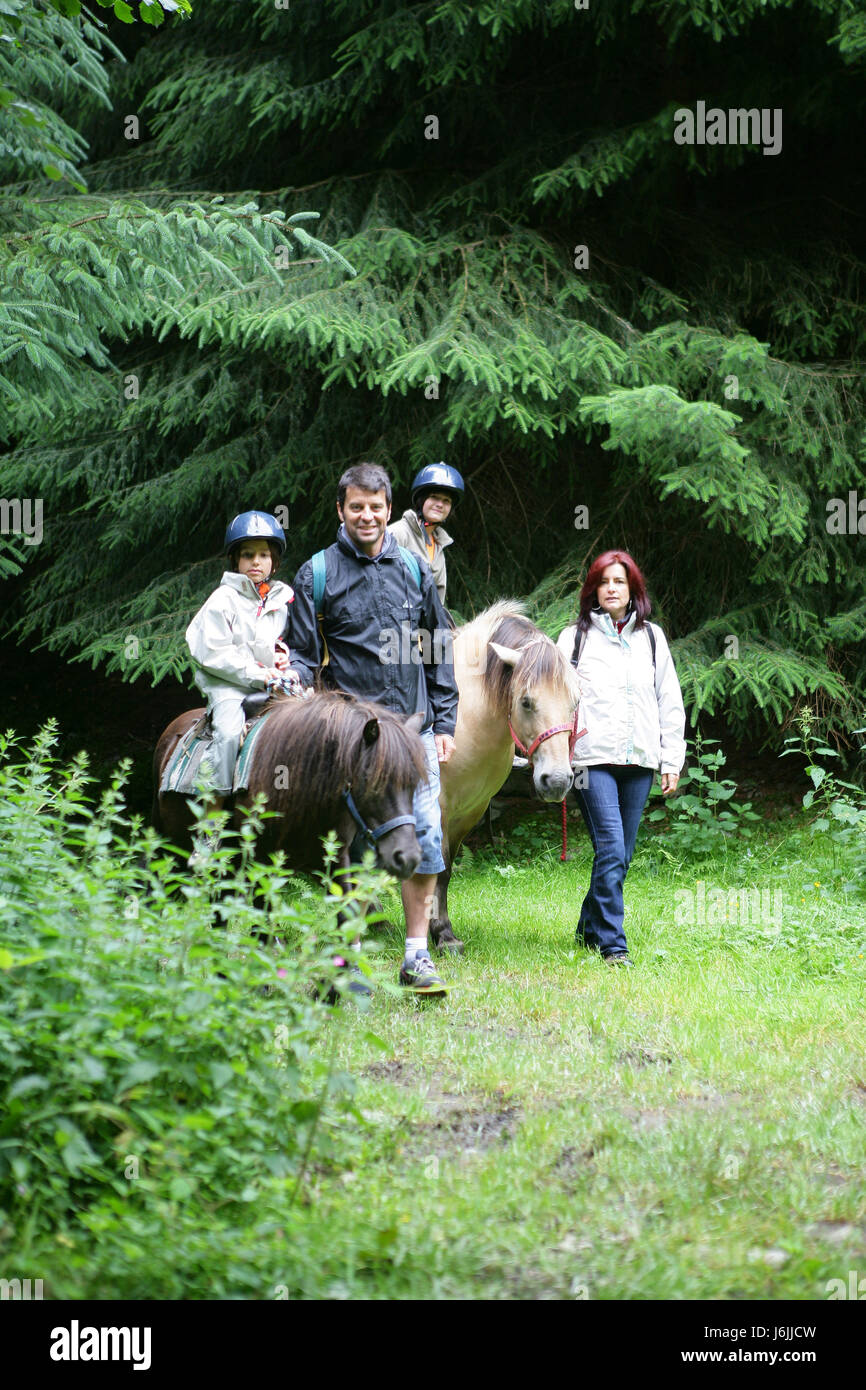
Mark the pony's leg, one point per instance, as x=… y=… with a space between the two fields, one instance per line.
x=357 y=985
x=441 y=930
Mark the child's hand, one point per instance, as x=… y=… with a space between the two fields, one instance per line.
x=281 y=660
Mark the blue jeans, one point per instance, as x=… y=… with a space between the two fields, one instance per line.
x=611 y=803
x=427 y=813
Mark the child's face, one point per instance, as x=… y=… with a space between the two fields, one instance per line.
x=435 y=507
x=254 y=559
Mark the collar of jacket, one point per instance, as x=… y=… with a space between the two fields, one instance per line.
x=605 y=623
x=279 y=592
x=388 y=551
x=439 y=534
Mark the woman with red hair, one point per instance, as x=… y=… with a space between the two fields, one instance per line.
x=632 y=707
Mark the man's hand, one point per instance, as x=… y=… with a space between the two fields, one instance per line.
x=669 y=782
x=445 y=746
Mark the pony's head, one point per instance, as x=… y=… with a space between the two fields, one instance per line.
x=332 y=742
x=390 y=766
x=528 y=680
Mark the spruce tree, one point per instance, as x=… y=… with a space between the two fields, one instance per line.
x=620 y=339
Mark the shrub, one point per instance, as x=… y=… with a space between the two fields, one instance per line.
x=841 y=806
x=702 y=816
x=154 y=1053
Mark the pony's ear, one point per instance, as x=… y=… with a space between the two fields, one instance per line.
x=371 y=731
x=415 y=722
x=510 y=655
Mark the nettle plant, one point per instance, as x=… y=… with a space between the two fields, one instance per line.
x=702 y=817
x=155 y=1050
x=841 y=805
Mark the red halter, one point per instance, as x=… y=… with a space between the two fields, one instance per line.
x=570 y=729
x=573 y=735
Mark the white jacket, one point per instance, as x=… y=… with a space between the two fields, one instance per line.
x=630 y=718
x=232 y=636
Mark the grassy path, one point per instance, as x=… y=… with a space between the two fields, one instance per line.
x=695 y=1128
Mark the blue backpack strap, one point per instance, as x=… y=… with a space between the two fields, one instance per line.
x=319 y=576
x=411 y=564
x=652 y=637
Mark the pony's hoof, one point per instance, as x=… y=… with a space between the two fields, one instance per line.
x=446 y=942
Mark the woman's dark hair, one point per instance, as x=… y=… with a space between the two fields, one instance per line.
x=638 y=600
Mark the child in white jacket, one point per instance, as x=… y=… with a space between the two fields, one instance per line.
x=234 y=638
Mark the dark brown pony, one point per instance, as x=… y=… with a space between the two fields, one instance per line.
x=306 y=756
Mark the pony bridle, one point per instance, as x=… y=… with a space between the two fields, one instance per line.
x=373 y=834
x=570 y=729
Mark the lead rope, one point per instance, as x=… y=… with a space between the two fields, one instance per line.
x=574 y=734
x=572 y=741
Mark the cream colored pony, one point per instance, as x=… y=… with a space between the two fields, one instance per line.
x=506 y=670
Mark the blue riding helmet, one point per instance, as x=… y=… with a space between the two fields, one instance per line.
x=248 y=526
x=437 y=477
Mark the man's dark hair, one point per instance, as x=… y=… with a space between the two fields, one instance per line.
x=370 y=477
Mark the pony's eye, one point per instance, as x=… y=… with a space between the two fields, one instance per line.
x=526 y=702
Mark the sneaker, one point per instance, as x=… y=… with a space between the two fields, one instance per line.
x=420 y=975
x=353 y=980
x=204 y=847
x=619 y=958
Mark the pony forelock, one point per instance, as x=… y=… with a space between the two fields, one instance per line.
x=541 y=663
x=321 y=742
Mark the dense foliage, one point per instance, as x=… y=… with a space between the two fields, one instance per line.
x=693 y=379
x=155 y=1064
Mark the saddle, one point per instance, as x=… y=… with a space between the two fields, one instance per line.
x=183 y=772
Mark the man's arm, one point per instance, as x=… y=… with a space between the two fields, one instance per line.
x=439 y=670
x=302 y=636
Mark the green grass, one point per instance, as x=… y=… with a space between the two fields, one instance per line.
x=553 y=1128
x=557 y=1129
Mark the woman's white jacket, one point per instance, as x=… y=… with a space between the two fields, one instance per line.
x=232 y=636
x=632 y=714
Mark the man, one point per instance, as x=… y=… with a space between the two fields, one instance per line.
x=372 y=611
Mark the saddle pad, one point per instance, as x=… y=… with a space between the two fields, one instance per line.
x=183 y=769
x=242 y=766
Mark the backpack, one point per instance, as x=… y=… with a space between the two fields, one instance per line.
x=320 y=574
x=580 y=642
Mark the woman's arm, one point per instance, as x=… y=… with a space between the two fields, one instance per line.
x=672 y=714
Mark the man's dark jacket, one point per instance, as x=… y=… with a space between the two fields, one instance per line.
x=369 y=608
